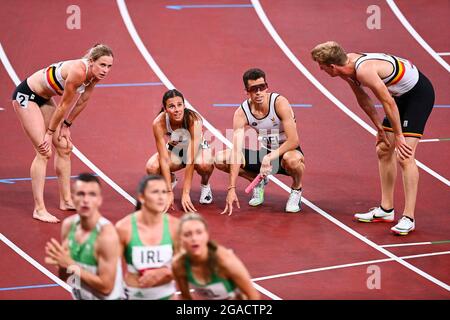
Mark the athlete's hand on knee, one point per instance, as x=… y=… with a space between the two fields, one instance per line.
x=381 y=137
x=404 y=151
x=187 y=203
x=45 y=145
x=64 y=133
x=231 y=198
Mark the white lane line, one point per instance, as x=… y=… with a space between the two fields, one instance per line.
x=266 y=292
x=152 y=63
x=82 y=157
x=348 y=265
x=262 y=16
x=414 y=244
x=34 y=263
x=416 y=36
x=444 y=53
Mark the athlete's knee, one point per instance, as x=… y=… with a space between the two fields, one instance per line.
x=220 y=160
x=384 y=151
x=63 y=151
x=293 y=162
x=152 y=167
x=406 y=163
x=44 y=156
x=203 y=168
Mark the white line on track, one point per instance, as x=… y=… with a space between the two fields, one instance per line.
x=267 y=24
x=152 y=63
x=34 y=263
x=341 y=266
x=417 y=36
x=444 y=53
x=414 y=244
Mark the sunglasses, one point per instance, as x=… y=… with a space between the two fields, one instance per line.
x=258 y=87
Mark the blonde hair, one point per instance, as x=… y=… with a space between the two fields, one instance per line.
x=97 y=51
x=328 y=53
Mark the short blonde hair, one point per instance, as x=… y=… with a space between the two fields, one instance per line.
x=328 y=53
x=97 y=51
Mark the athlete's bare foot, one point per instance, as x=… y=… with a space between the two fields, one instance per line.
x=66 y=206
x=45 y=216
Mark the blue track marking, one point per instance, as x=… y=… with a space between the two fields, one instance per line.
x=136 y=84
x=208 y=6
x=38 y=286
x=14 y=180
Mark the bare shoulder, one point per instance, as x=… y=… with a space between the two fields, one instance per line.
x=283 y=108
x=65 y=227
x=124 y=223
x=77 y=69
x=159 y=123
x=239 y=118
x=108 y=234
x=226 y=256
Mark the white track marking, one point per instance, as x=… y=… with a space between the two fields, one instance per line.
x=417 y=36
x=262 y=16
x=348 y=265
x=34 y=263
x=152 y=63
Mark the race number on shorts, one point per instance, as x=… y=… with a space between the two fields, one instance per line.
x=22 y=99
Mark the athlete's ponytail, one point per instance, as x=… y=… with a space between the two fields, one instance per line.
x=97 y=51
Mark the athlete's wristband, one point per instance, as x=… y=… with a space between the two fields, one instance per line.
x=67 y=123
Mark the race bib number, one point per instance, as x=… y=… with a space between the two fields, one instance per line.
x=22 y=99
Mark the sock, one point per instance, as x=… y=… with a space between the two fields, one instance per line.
x=300 y=189
x=387 y=211
x=411 y=219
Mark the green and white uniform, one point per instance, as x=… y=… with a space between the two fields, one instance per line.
x=217 y=288
x=140 y=257
x=84 y=256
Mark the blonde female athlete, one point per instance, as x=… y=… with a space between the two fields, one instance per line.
x=212 y=271
x=47 y=123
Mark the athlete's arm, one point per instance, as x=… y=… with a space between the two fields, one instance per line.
x=368 y=76
x=163 y=152
x=366 y=103
x=239 y=122
x=238 y=273
x=193 y=149
x=75 y=78
x=284 y=111
x=108 y=253
x=81 y=103
x=179 y=273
